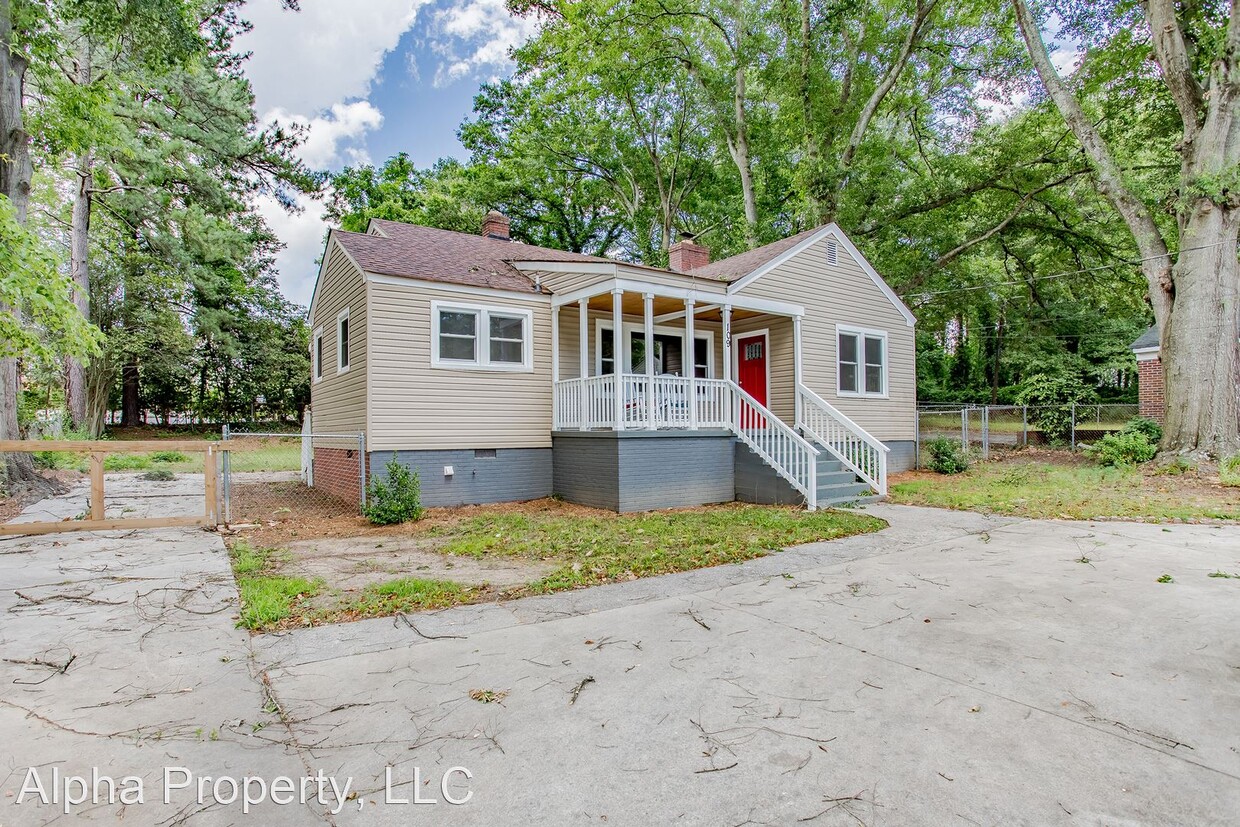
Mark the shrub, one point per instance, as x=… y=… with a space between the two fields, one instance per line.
x=159 y=475
x=397 y=499
x=946 y=456
x=168 y=456
x=1229 y=471
x=1150 y=429
x=126 y=462
x=1123 y=448
x=1051 y=395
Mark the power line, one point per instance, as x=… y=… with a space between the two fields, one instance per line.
x=1124 y=262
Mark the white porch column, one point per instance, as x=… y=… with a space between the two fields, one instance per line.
x=556 y=413
x=583 y=329
x=727 y=341
x=649 y=335
x=690 y=357
x=617 y=352
x=796 y=365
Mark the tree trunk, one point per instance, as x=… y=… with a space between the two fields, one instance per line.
x=738 y=147
x=79 y=268
x=1200 y=350
x=79 y=253
x=131 y=403
x=16 y=470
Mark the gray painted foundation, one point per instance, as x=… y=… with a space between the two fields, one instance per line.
x=757 y=482
x=643 y=470
x=902 y=456
x=510 y=475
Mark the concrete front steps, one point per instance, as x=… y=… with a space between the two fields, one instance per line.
x=758 y=482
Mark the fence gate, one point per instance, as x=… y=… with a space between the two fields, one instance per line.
x=281 y=477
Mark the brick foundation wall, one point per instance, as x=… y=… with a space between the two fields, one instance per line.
x=1150 y=383
x=336 y=472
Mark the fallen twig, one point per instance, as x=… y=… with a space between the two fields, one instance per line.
x=580 y=686
x=399 y=618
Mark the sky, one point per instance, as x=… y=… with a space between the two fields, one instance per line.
x=386 y=76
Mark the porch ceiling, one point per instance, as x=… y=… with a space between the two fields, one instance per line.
x=633 y=304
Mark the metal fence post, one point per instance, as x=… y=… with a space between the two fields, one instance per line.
x=361 y=464
x=226 y=488
x=1024 y=426
x=1073 y=426
x=985 y=432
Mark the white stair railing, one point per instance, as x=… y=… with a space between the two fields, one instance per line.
x=847 y=441
x=781 y=447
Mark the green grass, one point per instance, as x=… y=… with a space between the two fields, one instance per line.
x=603 y=548
x=1070 y=490
x=1229 y=471
x=252 y=455
x=584 y=548
x=409 y=594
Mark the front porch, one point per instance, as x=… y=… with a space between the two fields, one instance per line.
x=634 y=357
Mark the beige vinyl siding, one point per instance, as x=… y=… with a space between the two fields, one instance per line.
x=570 y=343
x=416 y=407
x=561 y=283
x=841 y=294
x=338 y=401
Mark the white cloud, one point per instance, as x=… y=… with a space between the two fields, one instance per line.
x=302 y=234
x=328 y=133
x=476 y=37
x=326 y=53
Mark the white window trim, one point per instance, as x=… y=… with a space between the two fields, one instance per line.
x=604 y=327
x=342 y=316
x=862 y=332
x=482 y=360
x=316 y=362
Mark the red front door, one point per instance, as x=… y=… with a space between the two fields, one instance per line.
x=751 y=366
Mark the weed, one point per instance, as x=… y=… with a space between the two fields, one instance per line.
x=268 y=600
x=397 y=499
x=488 y=696
x=946 y=456
x=1166 y=578
x=408 y=594
x=159 y=475
x=1221 y=573
x=1229 y=471
x=126 y=462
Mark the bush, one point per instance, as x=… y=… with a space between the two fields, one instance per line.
x=1051 y=395
x=168 y=456
x=946 y=456
x=1123 y=448
x=398 y=499
x=1150 y=429
x=159 y=475
x=1229 y=471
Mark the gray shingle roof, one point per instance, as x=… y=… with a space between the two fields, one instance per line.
x=1147 y=339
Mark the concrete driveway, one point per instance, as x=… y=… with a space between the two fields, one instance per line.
x=954 y=668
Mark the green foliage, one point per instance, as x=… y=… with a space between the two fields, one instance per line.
x=1229 y=471
x=168 y=456
x=126 y=462
x=1133 y=444
x=396 y=498
x=37 y=313
x=946 y=456
x=1123 y=448
x=1050 y=397
x=159 y=475
x=269 y=600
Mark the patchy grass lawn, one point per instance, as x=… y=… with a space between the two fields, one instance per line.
x=565 y=546
x=1063 y=485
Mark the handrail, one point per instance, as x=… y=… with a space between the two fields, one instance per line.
x=792 y=457
x=859 y=451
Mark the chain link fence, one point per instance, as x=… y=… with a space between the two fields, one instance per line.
x=981 y=429
x=271 y=477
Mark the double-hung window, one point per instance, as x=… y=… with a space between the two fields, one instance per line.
x=481 y=337
x=861 y=362
x=316 y=354
x=342 y=341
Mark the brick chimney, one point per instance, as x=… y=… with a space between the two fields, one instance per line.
x=687 y=255
x=495 y=225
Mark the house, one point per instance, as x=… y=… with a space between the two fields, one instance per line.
x=1150 y=400
x=502 y=372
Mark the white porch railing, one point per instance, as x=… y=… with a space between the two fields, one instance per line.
x=784 y=449
x=591 y=402
x=663 y=402
x=860 y=452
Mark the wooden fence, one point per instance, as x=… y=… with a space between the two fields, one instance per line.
x=98 y=451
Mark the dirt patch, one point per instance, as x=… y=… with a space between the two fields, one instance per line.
x=284 y=518
x=352 y=563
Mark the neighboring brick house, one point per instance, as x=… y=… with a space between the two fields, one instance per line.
x=1151 y=402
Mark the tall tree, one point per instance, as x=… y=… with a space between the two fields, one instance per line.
x=1194 y=290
